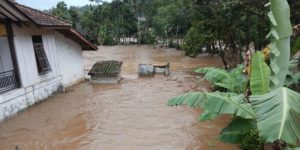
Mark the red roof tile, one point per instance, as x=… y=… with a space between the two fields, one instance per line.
x=43 y=19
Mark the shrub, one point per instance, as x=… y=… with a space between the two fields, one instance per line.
x=106 y=38
x=193 y=42
x=196 y=39
x=146 y=37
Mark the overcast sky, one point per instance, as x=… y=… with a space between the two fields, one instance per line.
x=46 y=4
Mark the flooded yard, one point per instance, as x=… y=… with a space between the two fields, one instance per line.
x=129 y=116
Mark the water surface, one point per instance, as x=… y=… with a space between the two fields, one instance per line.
x=129 y=116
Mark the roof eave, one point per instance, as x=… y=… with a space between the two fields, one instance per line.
x=84 y=43
x=76 y=36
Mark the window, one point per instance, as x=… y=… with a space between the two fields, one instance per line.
x=9 y=78
x=40 y=55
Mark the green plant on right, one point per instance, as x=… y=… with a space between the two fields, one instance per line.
x=270 y=107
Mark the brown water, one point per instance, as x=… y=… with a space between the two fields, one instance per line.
x=129 y=116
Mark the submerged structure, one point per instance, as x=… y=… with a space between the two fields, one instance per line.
x=106 y=72
x=148 y=70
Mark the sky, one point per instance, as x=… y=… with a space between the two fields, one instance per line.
x=47 y=4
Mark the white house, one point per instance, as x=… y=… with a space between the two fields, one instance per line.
x=40 y=54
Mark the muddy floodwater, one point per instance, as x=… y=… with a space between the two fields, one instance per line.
x=129 y=116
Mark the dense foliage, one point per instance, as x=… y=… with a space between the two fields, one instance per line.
x=104 y=24
x=227 y=28
x=265 y=110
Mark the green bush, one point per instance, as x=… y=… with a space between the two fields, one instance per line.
x=193 y=42
x=106 y=38
x=196 y=39
x=146 y=37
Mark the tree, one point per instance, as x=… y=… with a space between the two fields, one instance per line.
x=74 y=16
x=227 y=28
x=265 y=105
x=61 y=11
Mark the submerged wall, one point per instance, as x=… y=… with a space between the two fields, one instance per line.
x=14 y=101
x=66 y=61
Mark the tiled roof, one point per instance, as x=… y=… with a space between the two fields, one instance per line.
x=76 y=36
x=106 y=69
x=41 y=18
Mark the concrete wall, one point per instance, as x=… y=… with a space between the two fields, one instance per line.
x=14 y=101
x=65 y=58
x=70 y=59
x=26 y=56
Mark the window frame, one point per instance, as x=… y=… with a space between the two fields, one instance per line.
x=16 y=71
x=42 y=62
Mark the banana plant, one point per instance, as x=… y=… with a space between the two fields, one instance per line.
x=278 y=111
x=232 y=81
x=273 y=109
x=233 y=102
x=280 y=35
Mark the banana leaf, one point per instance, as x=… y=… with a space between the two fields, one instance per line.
x=236 y=130
x=260 y=73
x=216 y=103
x=278 y=115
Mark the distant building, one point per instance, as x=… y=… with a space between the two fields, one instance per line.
x=40 y=54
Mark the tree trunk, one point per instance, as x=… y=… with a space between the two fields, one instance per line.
x=279 y=145
x=222 y=55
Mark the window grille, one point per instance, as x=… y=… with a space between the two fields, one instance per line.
x=40 y=55
x=8 y=81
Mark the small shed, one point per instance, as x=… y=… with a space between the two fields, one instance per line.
x=106 y=72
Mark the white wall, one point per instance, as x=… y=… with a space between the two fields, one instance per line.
x=64 y=55
x=26 y=57
x=65 y=58
x=70 y=59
